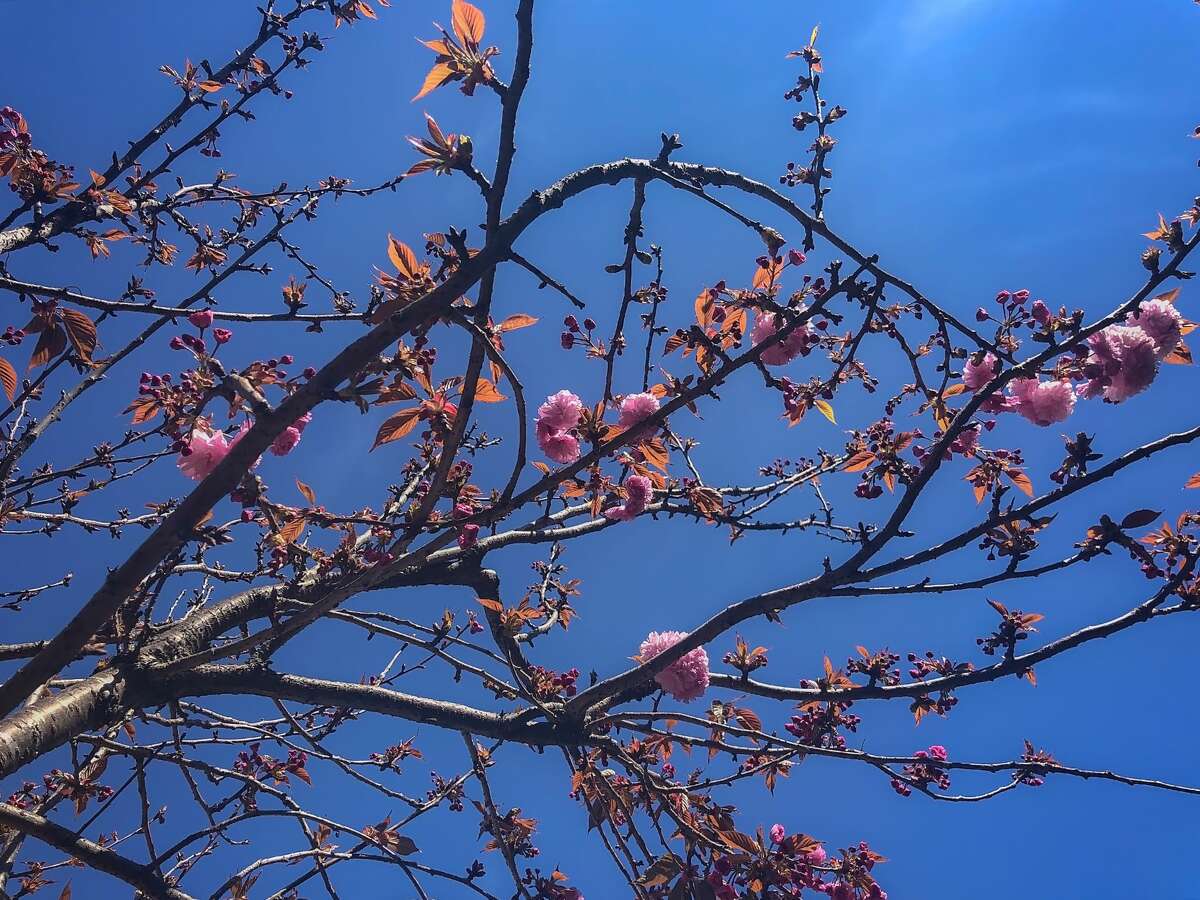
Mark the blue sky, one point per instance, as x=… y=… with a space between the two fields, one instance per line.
x=988 y=145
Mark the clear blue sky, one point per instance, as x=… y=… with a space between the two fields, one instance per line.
x=989 y=145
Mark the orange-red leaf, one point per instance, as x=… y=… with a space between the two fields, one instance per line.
x=307 y=492
x=520 y=320
x=397 y=426
x=436 y=77
x=468 y=22
x=290 y=531
x=8 y=378
x=1180 y=356
x=859 y=461
x=764 y=278
x=485 y=392
x=51 y=343
x=82 y=332
x=1021 y=480
x=402 y=257
x=704 y=308
x=655 y=453
x=397 y=393
x=144 y=409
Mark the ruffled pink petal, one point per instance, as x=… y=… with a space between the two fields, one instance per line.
x=560 y=446
x=1162 y=322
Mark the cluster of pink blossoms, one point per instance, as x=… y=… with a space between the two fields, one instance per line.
x=559 y=416
x=638 y=491
x=798 y=342
x=207 y=446
x=468 y=532
x=556 y=421
x=1122 y=360
x=1041 y=402
x=686 y=679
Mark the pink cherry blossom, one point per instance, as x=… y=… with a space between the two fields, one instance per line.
x=560 y=446
x=686 y=679
x=201 y=318
x=635 y=408
x=1123 y=362
x=561 y=411
x=816 y=857
x=1162 y=322
x=778 y=833
x=976 y=375
x=638 y=491
x=287 y=440
x=1043 y=402
x=555 y=419
x=206 y=448
x=796 y=343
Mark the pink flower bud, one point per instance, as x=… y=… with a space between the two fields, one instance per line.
x=468 y=535
x=201 y=319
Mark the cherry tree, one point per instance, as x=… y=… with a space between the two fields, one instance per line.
x=168 y=672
